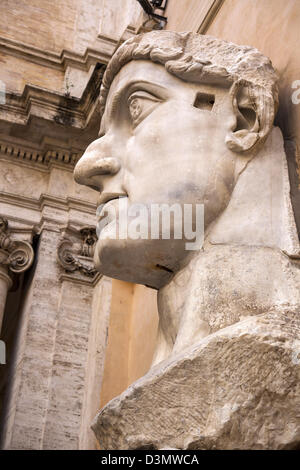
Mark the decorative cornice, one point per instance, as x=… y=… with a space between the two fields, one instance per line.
x=38 y=157
x=64 y=204
x=68 y=118
x=54 y=106
x=15 y=254
x=66 y=58
x=46 y=213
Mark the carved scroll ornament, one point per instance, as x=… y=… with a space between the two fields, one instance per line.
x=78 y=256
x=17 y=255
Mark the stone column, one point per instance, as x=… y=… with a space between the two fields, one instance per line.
x=15 y=257
x=32 y=374
x=55 y=392
x=70 y=373
x=5 y=285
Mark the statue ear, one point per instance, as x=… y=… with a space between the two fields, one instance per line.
x=254 y=114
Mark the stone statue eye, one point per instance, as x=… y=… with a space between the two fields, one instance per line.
x=141 y=104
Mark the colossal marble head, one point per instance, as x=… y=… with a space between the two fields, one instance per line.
x=188 y=120
x=182 y=116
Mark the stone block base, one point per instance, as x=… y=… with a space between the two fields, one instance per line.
x=236 y=389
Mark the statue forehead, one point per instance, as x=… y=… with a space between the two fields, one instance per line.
x=142 y=71
x=136 y=73
x=150 y=73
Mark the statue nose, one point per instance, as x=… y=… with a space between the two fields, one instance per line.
x=92 y=165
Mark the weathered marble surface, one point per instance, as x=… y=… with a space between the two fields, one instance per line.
x=236 y=389
x=188 y=119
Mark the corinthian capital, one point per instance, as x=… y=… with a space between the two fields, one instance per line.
x=15 y=254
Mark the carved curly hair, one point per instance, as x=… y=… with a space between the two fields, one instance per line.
x=201 y=58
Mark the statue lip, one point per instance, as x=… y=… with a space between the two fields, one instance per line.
x=105 y=202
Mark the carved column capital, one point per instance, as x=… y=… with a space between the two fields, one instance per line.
x=16 y=255
x=75 y=252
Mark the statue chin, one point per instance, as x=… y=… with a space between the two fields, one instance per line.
x=149 y=262
x=132 y=261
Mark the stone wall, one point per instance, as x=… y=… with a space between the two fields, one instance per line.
x=53 y=55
